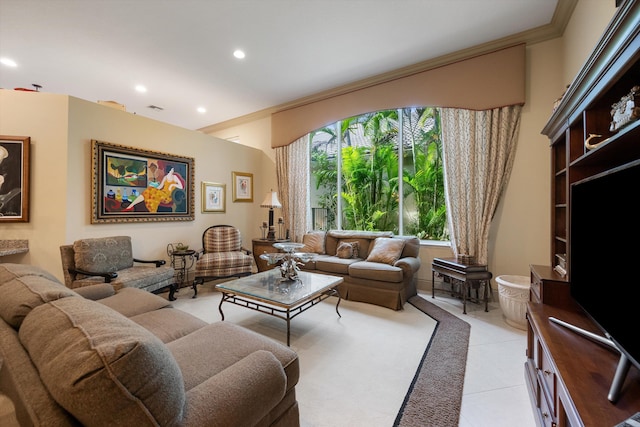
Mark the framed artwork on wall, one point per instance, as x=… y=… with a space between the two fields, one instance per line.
x=137 y=185
x=242 y=187
x=14 y=178
x=213 y=197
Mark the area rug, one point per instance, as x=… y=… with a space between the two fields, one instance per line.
x=435 y=394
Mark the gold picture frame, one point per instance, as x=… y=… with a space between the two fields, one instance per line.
x=137 y=185
x=213 y=197
x=242 y=186
x=14 y=178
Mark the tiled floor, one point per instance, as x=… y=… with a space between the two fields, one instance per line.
x=333 y=391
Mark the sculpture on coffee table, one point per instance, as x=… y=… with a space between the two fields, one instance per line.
x=290 y=261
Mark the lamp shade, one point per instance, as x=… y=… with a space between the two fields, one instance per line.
x=271 y=200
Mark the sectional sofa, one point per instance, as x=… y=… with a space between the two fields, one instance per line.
x=377 y=267
x=94 y=356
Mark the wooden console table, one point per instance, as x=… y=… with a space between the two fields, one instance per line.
x=465 y=272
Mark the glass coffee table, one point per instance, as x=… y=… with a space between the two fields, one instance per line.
x=267 y=292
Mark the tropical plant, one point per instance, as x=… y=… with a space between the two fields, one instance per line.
x=370 y=171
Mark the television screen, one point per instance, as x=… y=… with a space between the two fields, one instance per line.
x=604 y=265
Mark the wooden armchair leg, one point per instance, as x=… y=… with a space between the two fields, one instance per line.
x=172 y=291
x=197 y=281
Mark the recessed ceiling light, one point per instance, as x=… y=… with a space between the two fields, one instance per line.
x=8 y=62
x=202 y=110
x=141 y=89
x=238 y=54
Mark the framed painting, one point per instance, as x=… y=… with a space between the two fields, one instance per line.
x=14 y=178
x=137 y=185
x=242 y=187
x=213 y=197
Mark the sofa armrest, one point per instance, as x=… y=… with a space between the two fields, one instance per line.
x=157 y=262
x=240 y=395
x=108 y=277
x=409 y=265
x=96 y=292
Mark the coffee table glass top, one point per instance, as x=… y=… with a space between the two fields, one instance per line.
x=267 y=287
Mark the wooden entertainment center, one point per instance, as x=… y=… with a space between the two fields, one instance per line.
x=569 y=376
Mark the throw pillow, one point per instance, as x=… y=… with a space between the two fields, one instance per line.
x=348 y=250
x=386 y=250
x=356 y=249
x=314 y=242
x=344 y=251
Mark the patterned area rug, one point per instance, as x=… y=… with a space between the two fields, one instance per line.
x=435 y=394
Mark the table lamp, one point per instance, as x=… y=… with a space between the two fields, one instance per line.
x=271 y=201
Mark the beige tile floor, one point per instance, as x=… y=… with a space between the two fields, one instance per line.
x=386 y=346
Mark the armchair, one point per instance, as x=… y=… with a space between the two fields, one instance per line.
x=221 y=256
x=110 y=260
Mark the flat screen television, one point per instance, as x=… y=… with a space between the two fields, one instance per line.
x=604 y=264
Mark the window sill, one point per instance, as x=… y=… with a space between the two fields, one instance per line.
x=439 y=243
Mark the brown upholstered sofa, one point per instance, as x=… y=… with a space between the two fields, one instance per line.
x=380 y=268
x=94 y=356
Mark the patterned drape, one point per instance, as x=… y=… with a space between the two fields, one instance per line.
x=292 y=173
x=478 y=152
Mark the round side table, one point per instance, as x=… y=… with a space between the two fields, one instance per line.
x=181 y=261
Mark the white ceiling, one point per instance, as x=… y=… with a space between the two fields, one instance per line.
x=181 y=50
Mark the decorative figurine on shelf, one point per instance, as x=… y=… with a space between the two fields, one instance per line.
x=290 y=260
x=625 y=111
x=264 y=228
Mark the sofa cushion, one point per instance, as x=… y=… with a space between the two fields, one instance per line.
x=133 y=301
x=376 y=271
x=9 y=271
x=102 y=367
x=96 y=292
x=218 y=346
x=386 y=250
x=169 y=323
x=333 y=264
x=23 y=294
x=103 y=254
x=314 y=242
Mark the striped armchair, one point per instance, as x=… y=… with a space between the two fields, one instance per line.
x=221 y=256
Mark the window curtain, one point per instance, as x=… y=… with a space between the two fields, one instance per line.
x=292 y=174
x=478 y=151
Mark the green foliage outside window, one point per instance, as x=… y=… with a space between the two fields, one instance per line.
x=370 y=176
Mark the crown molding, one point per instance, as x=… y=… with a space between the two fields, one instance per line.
x=554 y=29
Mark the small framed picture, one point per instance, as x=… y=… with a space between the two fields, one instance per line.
x=213 y=197
x=242 y=187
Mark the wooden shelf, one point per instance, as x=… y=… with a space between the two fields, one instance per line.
x=583 y=369
x=568 y=375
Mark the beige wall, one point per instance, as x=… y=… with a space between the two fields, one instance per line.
x=520 y=233
x=256 y=134
x=61 y=129
x=588 y=22
x=45 y=119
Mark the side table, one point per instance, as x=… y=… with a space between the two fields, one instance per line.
x=468 y=273
x=261 y=246
x=181 y=261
